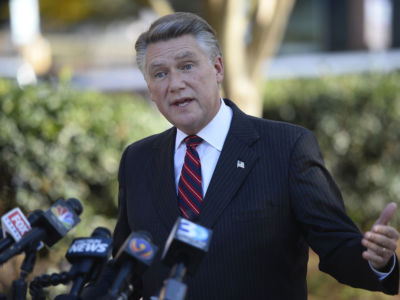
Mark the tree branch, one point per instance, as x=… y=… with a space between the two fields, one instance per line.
x=268 y=28
x=214 y=10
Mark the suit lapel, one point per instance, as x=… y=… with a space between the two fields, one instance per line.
x=163 y=183
x=235 y=163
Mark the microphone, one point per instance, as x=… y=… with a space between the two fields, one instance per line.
x=87 y=256
x=185 y=248
x=9 y=226
x=49 y=227
x=14 y=226
x=133 y=258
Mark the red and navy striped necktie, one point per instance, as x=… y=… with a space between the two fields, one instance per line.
x=190 y=191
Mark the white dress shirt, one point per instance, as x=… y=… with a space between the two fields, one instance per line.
x=213 y=135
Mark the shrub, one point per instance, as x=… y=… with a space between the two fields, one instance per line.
x=356 y=119
x=56 y=141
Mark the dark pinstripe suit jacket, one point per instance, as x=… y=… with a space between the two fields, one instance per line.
x=264 y=217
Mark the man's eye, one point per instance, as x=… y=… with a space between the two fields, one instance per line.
x=187 y=67
x=159 y=74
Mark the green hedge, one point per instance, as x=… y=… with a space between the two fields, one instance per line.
x=356 y=119
x=57 y=141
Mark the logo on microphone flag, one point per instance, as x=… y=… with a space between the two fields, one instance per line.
x=15 y=223
x=63 y=215
x=142 y=248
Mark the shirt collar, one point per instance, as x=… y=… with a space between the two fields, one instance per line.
x=212 y=133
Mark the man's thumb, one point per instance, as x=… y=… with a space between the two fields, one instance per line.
x=386 y=214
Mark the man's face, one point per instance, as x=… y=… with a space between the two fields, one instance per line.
x=183 y=83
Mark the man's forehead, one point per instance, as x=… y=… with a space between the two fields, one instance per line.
x=178 y=46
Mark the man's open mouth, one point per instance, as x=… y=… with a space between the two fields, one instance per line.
x=183 y=102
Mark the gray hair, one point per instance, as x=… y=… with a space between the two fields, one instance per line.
x=173 y=26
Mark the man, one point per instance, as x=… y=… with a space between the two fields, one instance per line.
x=260 y=185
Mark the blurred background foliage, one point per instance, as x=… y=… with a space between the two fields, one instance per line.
x=58 y=141
x=356 y=119
x=64 y=14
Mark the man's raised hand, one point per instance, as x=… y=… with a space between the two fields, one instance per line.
x=381 y=241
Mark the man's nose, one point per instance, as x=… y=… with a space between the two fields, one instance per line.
x=176 y=81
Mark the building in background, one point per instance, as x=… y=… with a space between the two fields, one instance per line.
x=343 y=25
x=339 y=37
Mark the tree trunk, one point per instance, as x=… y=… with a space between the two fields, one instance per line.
x=244 y=50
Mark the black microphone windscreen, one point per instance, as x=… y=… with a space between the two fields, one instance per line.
x=76 y=205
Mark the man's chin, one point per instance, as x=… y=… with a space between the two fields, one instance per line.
x=189 y=127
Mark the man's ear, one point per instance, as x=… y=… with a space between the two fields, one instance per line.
x=219 y=68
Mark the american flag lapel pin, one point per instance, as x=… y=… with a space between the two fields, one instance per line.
x=240 y=164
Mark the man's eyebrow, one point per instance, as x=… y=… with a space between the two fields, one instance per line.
x=155 y=65
x=184 y=55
